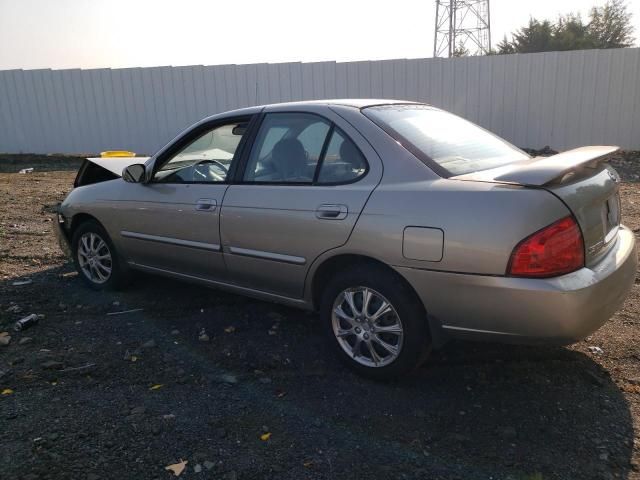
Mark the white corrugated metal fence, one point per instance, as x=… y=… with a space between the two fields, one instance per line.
x=561 y=99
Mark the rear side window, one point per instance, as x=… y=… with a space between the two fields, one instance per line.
x=342 y=162
x=287 y=148
x=456 y=145
x=302 y=148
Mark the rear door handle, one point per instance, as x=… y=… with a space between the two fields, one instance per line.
x=206 y=205
x=332 y=212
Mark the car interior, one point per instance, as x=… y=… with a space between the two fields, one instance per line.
x=287 y=149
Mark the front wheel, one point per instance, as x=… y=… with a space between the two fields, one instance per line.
x=96 y=258
x=375 y=322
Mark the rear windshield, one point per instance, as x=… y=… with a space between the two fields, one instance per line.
x=456 y=145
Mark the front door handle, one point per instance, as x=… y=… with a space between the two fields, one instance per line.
x=332 y=212
x=206 y=205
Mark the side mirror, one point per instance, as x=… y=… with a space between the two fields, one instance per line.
x=133 y=173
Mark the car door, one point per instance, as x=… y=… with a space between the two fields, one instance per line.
x=171 y=223
x=298 y=194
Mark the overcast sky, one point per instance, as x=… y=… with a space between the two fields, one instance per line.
x=131 y=33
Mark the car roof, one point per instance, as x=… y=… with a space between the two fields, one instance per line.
x=347 y=102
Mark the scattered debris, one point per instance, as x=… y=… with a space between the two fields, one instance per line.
x=20 y=283
x=596 y=350
x=131 y=356
x=88 y=366
x=149 y=344
x=228 y=378
x=26 y=170
x=7 y=391
x=5 y=338
x=177 y=468
x=197 y=468
x=175 y=332
x=202 y=336
x=265 y=436
x=156 y=386
x=14 y=309
x=230 y=329
x=26 y=322
x=126 y=311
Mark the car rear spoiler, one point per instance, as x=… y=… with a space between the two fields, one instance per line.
x=540 y=171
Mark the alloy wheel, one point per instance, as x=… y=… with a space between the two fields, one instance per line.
x=367 y=327
x=94 y=257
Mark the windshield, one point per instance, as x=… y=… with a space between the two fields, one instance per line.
x=456 y=145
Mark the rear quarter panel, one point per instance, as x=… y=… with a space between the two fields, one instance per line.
x=481 y=222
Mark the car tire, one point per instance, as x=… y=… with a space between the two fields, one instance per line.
x=96 y=259
x=403 y=326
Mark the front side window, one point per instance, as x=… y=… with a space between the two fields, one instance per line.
x=456 y=145
x=206 y=159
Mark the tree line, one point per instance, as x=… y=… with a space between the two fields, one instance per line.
x=608 y=26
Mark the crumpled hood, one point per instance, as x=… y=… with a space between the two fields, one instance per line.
x=117 y=164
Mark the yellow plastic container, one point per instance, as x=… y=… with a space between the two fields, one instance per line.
x=117 y=153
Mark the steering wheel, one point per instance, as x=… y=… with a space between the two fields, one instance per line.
x=209 y=175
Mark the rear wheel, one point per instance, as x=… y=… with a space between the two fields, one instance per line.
x=95 y=257
x=375 y=322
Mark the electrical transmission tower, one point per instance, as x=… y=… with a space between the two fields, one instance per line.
x=462 y=27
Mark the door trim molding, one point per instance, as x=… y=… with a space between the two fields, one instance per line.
x=251 y=292
x=213 y=247
x=277 y=257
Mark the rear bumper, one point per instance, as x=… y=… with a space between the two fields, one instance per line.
x=558 y=310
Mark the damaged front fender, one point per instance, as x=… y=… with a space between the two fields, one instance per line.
x=61 y=230
x=95 y=170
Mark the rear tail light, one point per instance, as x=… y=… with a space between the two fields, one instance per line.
x=554 y=250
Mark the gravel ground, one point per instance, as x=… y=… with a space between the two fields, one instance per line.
x=88 y=395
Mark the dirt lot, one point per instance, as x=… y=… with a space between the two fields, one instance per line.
x=87 y=395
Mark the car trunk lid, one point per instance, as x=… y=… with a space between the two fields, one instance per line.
x=582 y=180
